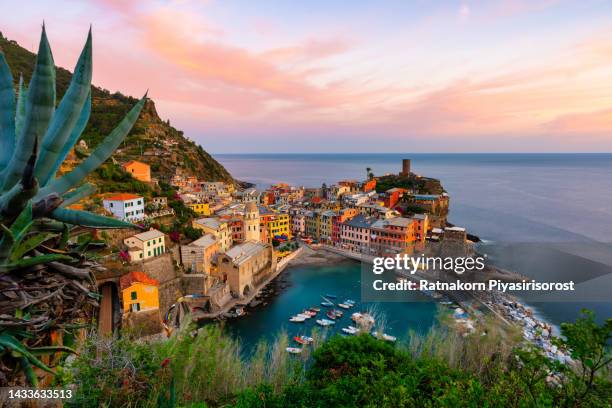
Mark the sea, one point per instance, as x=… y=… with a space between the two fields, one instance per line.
x=548 y=216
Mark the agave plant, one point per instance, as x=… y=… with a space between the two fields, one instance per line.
x=46 y=284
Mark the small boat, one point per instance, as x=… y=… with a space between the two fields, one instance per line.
x=294 y=350
x=297 y=319
x=315 y=309
x=330 y=296
x=385 y=336
x=338 y=313
x=303 y=339
x=349 y=302
x=331 y=315
x=323 y=322
x=344 y=306
x=350 y=330
x=327 y=304
x=309 y=313
x=304 y=315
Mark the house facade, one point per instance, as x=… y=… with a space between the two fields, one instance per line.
x=145 y=245
x=127 y=207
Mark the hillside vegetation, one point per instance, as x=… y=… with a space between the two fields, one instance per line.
x=151 y=140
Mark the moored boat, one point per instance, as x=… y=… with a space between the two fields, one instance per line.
x=303 y=339
x=350 y=330
x=315 y=309
x=331 y=315
x=344 y=306
x=297 y=319
x=330 y=296
x=294 y=350
x=327 y=304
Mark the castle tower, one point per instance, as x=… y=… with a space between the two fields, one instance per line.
x=405 y=168
x=251 y=222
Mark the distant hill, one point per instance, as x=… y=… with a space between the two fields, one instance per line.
x=151 y=140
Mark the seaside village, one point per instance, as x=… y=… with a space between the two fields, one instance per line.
x=243 y=238
x=240 y=239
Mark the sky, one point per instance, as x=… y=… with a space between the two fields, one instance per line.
x=349 y=75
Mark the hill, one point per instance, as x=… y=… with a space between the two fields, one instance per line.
x=151 y=140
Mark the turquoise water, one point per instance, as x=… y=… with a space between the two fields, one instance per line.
x=303 y=287
x=527 y=200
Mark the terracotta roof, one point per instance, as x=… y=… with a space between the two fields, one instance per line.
x=133 y=277
x=134 y=162
x=122 y=197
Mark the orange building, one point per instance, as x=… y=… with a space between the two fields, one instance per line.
x=139 y=292
x=138 y=170
x=369 y=185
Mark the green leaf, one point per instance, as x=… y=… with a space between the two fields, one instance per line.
x=76 y=132
x=102 y=152
x=29 y=244
x=39 y=351
x=23 y=221
x=7 y=111
x=66 y=116
x=35 y=260
x=77 y=194
x=40 y=105
x=12 y=343
x=29 y=372
x=87 y=219
x=21 y=106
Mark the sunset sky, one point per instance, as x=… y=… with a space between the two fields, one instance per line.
x=350 y=76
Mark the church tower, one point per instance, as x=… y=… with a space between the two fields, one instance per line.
x=251 y=222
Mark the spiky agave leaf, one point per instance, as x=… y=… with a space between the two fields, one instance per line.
x=87 y=219
x=20 y=110
x=66 y=116
x=77 y=194
x=78 y=129
x=40 y=104
x=7 y=110
x=102 y=152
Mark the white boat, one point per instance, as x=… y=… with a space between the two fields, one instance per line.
x=384 y=336
x=297 y=319
x=325 y=322
x=294 y=350
x=304 y=315
x=350 y=330
x=344 y=306
x=327 y=304
x=349 y=302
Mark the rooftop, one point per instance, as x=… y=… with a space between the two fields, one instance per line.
x=122 y=197
x=241 y=253
x=205 y=241
x=136 y=277
x=212 y=223
x=147 y=235
x=360 y=221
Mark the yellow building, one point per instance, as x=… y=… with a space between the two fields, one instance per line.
x=200 y=208
x=139 y=292
x=218 y=228
x=278 y=224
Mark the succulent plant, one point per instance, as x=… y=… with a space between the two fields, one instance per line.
x=46 y=284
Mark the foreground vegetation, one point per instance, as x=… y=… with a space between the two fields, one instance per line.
x=442 y=368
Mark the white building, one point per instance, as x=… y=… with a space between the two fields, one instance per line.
x=145 y=245
x=125 y=206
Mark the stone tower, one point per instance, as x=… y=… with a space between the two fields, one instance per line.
x=405 y=168
x=251 y=222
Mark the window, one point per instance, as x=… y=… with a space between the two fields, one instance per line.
x=148 y=253
x=133 y=295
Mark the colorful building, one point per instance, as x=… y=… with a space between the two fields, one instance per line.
x=125 y=206
x=139 y=292
x=392 y=236
x=246 y=266
x=138 y=170
x=145 y=245
x=218 y=228
x=200 y=208
x=355 y=233
x=197 y=255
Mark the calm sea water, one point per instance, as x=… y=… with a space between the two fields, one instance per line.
x=528 y=199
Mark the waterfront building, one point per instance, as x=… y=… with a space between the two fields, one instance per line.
x=197 y=256
x=376 y=210
x=393 y=235
x=139 y=170
x=312 y=222
x=422 y=226
x=355 y=233
x=125 y=206
x=275 y=224
x=219 y=228
x=298 y=225
x=145 y=245
x=246 y=266
x=326 y=225
x=338 y=219
x=139 y=292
